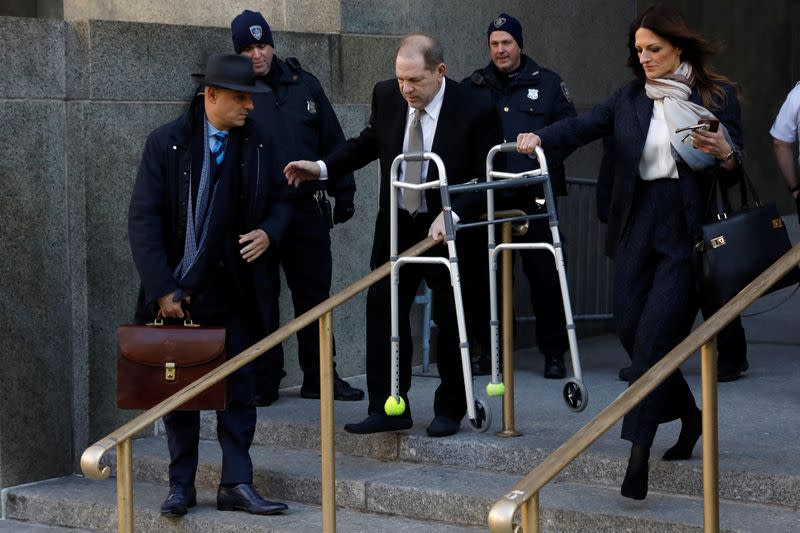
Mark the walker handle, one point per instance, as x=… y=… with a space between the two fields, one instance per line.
x=508 y=147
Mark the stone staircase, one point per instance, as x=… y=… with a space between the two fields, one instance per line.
x=411 y=482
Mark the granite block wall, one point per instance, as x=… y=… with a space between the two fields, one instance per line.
x=35 y=292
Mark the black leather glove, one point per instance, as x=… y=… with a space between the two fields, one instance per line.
x=343 y=211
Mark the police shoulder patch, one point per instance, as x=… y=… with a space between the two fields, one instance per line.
x=311 y=105
x=566 y=91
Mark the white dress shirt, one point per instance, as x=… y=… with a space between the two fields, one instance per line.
x=657 y=161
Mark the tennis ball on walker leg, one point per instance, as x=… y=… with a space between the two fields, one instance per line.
x=495 y=389
x=394 y=407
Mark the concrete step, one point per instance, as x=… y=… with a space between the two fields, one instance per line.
x=15 y=526
x=79 y=502
x=459 y=495
x=742 y=478
x=759 y=427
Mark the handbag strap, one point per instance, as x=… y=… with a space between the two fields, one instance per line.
x=747 y=191
x=721 y=200
x=744 y=185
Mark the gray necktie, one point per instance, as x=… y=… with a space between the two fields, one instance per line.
x=414 y=168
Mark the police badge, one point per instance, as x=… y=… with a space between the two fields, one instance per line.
x=255 y=31
x=311 y=105
x=499 y=21
x=533 y=94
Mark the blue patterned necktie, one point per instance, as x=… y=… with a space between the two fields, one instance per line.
x=218 y=147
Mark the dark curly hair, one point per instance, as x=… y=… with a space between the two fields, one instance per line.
x=669 y=24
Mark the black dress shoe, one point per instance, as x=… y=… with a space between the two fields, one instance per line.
x=625 y=373
x=243 y=497
x=180 y=498
x=727 y=371
x=442 y=426
x=342 y=390
x=378 y=423
x=554 y=367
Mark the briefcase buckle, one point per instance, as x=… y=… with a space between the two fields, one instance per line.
x=716 y=242
x=169 y=371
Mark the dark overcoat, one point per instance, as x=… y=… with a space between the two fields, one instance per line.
x=249 y=190
x=625 y=117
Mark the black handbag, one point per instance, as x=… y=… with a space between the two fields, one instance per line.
x=739 y=245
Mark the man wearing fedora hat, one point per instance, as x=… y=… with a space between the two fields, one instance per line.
x=205 y=181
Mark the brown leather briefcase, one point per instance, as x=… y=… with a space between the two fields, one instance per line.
x=156 y=360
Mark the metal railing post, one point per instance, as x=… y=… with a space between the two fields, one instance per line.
x=529 y=514
x=509 y=429
x=710 y=452
x=125 y=487
x=326 y=423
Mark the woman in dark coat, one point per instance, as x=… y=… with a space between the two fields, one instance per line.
x=658 y=198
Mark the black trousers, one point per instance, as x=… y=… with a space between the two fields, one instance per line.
x=449 y=399
x=655 y=301
x=538 y=266
x=545 y=290
x=235 y=425
x=305 y=255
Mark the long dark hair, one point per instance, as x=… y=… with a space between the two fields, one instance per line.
x=669 y=24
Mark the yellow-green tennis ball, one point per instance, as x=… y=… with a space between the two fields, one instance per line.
x=495 y=389
x=393 y=407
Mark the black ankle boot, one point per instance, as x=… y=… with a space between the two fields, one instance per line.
x=691 y=428
x=634 y=485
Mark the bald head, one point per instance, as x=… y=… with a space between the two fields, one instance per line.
x=420 y=44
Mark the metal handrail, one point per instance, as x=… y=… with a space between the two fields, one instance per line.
x=91 y=459
x=524 y=496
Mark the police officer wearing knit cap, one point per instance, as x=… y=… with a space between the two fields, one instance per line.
x=528 y=97
x=299 y=117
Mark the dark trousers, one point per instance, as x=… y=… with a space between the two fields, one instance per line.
x=449 y=399
x=731 y=341
x=540 y=269
x=235 y=425
x=305 y=255
x=655 y=301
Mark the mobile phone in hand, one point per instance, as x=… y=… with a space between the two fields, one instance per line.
x=713 y=124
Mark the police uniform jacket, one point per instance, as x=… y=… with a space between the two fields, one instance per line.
x=301 y=119
x=535 y=98
x=250 y=193
x=625 y=117
x=465 y=131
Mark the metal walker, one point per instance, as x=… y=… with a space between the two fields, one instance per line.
x=575 y=394
x=478 y=410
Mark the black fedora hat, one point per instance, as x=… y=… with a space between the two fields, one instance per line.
x=231 y=71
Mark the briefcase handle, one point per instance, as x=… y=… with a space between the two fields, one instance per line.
x=187 y=321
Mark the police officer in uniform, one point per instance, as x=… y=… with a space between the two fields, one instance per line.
x=307 y=128
x=528 y=97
